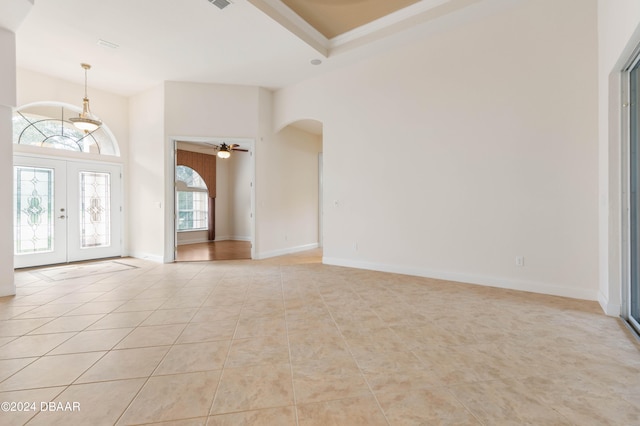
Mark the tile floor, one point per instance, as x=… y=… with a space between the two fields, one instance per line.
x=290 y=341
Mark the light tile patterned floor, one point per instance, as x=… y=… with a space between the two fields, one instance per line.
x=289 y=341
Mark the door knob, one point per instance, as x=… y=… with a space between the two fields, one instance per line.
x=61 y=217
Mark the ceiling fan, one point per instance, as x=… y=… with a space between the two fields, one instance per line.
x=224 y=151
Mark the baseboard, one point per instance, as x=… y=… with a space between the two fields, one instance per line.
x=233 y=238
x=204 y=240
x=147 y=256
x=8 y=289
x=611 y=309
x=282 y=252
x=506 y=283
x=194 y=241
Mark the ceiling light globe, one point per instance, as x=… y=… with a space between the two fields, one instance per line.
x=86 y=124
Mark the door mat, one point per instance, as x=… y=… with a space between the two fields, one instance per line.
x=79 y=270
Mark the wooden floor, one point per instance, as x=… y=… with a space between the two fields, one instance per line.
x=218 y=250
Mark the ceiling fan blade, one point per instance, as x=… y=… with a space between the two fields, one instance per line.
x=240 y=149
x=209 y=144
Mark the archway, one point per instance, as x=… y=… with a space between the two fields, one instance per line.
x=304 y=137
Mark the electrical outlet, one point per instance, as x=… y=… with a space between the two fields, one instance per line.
x=519 y=260
x=355 y=247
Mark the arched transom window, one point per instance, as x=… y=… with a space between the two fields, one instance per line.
x=47 y=125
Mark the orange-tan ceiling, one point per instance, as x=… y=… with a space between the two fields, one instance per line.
x=334 y=17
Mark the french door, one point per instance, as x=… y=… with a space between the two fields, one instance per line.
x=65 y=211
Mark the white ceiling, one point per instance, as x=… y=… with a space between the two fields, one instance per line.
x=193 y=40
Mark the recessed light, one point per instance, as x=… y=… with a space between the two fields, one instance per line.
x=315 y=61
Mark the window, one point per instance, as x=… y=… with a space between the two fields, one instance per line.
x=192 y=200
x=47 y=125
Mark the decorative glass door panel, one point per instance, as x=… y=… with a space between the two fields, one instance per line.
x=95 y=212
x=94 y=219
x=39 y=233
x=34 y=210
x=65 y=211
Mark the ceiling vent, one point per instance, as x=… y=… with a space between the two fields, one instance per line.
x=220 y=3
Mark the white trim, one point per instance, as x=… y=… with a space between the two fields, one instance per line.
x=232 y=238
x=54 y=153
x=193 y=241
x=320 y=199
x=401 y=20
x=401 y=16
x=146 y=256
x=283 y=15
x=290 y=250
x=611 y=309
x=624 y=163
x=506 y=283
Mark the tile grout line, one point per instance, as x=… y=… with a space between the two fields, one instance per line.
x=375 y=397
x=155 y=368
x=113 y=348
x=235 y=330
x=286 y=326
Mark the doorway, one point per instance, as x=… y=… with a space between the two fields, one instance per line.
x=226 y=229
x=65 y=211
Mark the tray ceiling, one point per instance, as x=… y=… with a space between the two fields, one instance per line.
x=335 y=17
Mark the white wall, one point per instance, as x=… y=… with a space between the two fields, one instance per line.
x=7 y=102
x=460 y=150
x=618 y=36
x=214 y=110
x=11 y=15
x=223 y=226
x=233 y=197
x=7 y=68
x=240 y=192
x=146 y=189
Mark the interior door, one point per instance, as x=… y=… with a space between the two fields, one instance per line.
x=65 y=211
x=40 y=218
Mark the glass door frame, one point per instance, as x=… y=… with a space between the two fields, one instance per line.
x=68 y=167
x=57 y=252
x=631 y=194
x=75 y=250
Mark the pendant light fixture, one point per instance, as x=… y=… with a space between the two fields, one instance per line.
x=223 y=151
x=86 y=120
